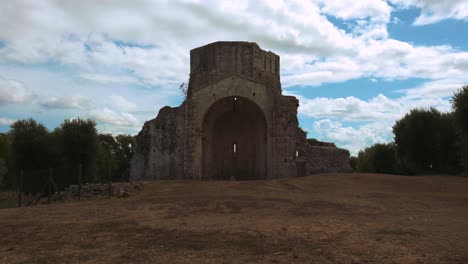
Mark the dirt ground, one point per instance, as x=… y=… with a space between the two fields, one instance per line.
x=328 y=218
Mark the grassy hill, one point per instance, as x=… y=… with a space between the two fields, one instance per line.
x=329 y=218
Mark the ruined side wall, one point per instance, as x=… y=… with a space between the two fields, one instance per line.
x=315 y=156
x=324 y=157
x=159 y=147
x=285 y=135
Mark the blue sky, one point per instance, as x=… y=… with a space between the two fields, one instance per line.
x=356 y=66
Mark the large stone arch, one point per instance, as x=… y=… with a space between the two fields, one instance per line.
x=234 y=140
x=172 y=145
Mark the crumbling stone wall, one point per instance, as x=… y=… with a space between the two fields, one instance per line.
x=172 y=145
x=286 y=135
x=324 y=157
x=220 y=60
x=159 y=147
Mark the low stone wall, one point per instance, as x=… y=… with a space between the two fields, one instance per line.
x=88 y=191
x=326 y=159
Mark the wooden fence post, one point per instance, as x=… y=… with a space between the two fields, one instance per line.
x=109 y=178
x=49 y=186
x=79 y=182
x=20 y=188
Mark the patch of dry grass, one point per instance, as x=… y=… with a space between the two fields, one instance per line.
x=330 y=218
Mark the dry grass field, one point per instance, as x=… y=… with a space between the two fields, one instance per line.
x=328 y=218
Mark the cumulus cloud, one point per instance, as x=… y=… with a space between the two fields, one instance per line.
x=379 y=113
x=435 y=89
x=6 y=121
x=108 y=116
x=353 y=139
x=151 y=46
x=377 y=10
x=295 y=26
x=433 y=11
x=78 y=102
x=378 y=107
x=388 y=59
x=147 y=43
x=122 y=104
x=351 y=108
x=109 y=79
x=12 y=92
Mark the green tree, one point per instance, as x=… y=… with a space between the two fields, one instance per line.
x=79 y=145
x=448 y=146
x=353 y=163
x=379 y=158
x=426 y=142
x=115 y=154
x=30 y=152
x=416 y=139
x=5 y=161
x=460 y=108
x=107 y=162
x=3 y=169
x=124 y=155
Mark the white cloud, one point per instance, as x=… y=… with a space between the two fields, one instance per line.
x=146 y=43
x=433 y=11
x=375 y=9
x=108 y=116
x=12 y=92
x=351 y=108
x=379 y=112
x=122 y=104
x=388 y=59
x=351 y=138
x=368 y=17
x=108 y=78
x=78 y=102
x=435 y=89
x=379 y=108
x=6 y=121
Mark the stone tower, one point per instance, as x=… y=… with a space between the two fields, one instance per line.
x=234 y=124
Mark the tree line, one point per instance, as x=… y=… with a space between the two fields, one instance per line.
x=426 y=141
x=74 y=151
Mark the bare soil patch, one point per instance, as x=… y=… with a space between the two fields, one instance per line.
x=328 y=218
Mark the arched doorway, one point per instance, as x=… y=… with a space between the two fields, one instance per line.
x=234 y=140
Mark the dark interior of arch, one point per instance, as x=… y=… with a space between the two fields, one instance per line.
x=234 y=140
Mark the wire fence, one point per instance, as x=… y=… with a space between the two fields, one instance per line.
x=53 y=184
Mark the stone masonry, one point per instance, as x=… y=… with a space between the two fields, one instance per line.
x=234 y=124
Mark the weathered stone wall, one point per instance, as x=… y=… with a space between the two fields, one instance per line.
x=219 y=60
x=159 y=147
x=285 y=133
x=324 y=157
x=171 y=145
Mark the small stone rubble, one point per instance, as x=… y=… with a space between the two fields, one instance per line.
x=89 y=191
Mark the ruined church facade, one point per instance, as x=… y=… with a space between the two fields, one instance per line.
x=234 y=124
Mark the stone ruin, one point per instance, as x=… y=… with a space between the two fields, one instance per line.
x=234 y=124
